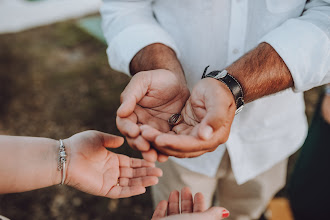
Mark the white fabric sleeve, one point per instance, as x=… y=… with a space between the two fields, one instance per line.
x=128 y=27
x=304 y=45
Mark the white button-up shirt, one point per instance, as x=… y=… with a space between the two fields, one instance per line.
x=218 y=32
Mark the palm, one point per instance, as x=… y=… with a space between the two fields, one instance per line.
x=193 y=113
x=195 y=110
x=190 y=208
x=207 y=115
x=150 y=98
x=95 y=170
x=161 y=96
x=155 y=112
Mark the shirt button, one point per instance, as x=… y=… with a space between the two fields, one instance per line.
x=235 y=51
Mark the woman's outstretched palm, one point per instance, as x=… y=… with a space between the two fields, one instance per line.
x=95 y=170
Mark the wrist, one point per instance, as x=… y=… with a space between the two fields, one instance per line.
x=54 y=151
x=231 y=83
x=58 y=174
x=156 y=56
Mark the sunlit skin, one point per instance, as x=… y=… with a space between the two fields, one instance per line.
x=95 y=170
x=31 y=163
x=204 y=126
x=208 y=112
x=150 y=98
x=191 y=208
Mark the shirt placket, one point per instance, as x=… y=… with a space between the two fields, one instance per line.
x=237 y=30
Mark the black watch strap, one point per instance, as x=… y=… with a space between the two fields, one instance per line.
x=232 y=83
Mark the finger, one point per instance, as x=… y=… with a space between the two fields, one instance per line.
x=162 y=158
x=139 y=181
x=183 y=143
x=128 y=126
x=160 y=210
x=173 y=203
x=135 y=163
x=150 y=155
x=111 y=141
x=140 y=172
x=125 y=161
x=132 y=94
x=217 y=213
x=182 y=129
x=167 y=150
x=186 y=200
x=141 y=144
x=199 y=203
x=149 y=133
x=207 y=130
x=124 y=192
x=184 y=155
x=131 y=142
x=218 y=113
x=138 y=143
x=127 y=106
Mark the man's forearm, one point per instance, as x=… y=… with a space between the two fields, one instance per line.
x=156 y=56
x=261 y=72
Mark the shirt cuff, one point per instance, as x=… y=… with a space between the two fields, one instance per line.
x=304 y=48
x=130 y=41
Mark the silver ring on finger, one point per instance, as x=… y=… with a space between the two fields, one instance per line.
x=175 y=119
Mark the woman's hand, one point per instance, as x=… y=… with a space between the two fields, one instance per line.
x=93 y=169
x=190 y=209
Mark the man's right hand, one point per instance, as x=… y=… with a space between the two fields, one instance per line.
x=150 y=98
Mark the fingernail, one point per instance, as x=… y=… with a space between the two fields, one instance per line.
x=225 y=213
x=208 y=130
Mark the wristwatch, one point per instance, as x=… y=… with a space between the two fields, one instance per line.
x=232 y=83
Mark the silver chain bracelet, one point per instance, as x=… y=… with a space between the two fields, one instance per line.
x=62 y=161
